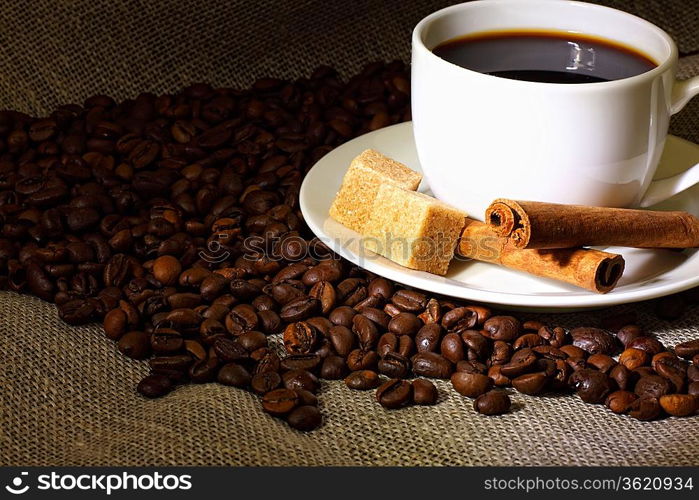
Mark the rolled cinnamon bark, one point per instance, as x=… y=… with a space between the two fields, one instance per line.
x=533 y=224
x=590 y=269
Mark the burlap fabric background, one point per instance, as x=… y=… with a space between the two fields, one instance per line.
x=67 y=397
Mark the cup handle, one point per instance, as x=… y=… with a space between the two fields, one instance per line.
x=663 y=189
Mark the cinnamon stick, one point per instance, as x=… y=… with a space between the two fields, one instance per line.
x=532 y=224
x=590 y=269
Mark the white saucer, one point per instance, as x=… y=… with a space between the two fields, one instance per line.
x=649 y=273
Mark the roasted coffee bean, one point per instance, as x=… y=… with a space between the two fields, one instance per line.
x=300 y=338
x=428 y=338
x=530 y=383
x=554 y=336
x=591 y=385
x=620 y=401
x=166 y=341
x=650 y=345
x=305 y=418
x=342 y=340
x=404 y=323
x=679 y=405
x=573 y=351
x=693 y=373
x=623 y=377
x=242 y=318
x=393 y=365
x=628 y=333
x=177 y=362
x=476 y=344
x=388 y=342
x=135 y=345
x=234 y=375
x=343 y=316
x=528 y=340
x=693 y=389
x=594 y=340
x=394 y=394
x=432 y=312
x=409 y=300
x=602 y=362
x=377 y=316
x=406 y=346
x=471 y=366
x=521 y=362
x=322 y=272
x=424 y=392
x=505 y=328
x=333 y=368
x=359 y=359
x=452 y=347
x=501 y=353
x=115 y=324
x=300 y=379
x=672 y=368
x=167 y=269
x=229 y=350
x=495 y=373
x=366 y=331
x=380 y=287
x=252 y=340
x=362 y=380
x=459 y=319
x=433 y=365
x=471 y=385
x=299 y=309
x=645 y=408
x=309 y=362
x=687 y=350
x=306 y=397
x=204 y=370
x=652 y=386
x=633 y=358
x=280 y=401
x=323 y=325
x=492 y=403
x=154 y=386
x=265 y=382
x=325 y=293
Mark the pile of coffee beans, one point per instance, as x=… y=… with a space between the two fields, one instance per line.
x=174 y=220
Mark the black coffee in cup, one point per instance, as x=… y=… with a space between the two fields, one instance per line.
x=545 y=56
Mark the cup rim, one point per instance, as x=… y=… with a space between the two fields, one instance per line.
x=664 y=65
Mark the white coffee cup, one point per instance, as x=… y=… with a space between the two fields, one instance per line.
x=481 y=137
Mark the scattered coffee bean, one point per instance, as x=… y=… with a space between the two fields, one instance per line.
x=154 y=386
x=280 y=401
x=424 y=392
x=591 y=385
x=362 y=380
x=679 y=405
x=530 y=383
x=471 y=385
x=305 y=418
x=492 y=403
x=394 y=394
x=620 y=401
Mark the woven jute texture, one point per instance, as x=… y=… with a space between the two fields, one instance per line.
x=67 y=396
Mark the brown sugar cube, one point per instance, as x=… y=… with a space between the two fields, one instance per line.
x=368 y=171
x=413 y=229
